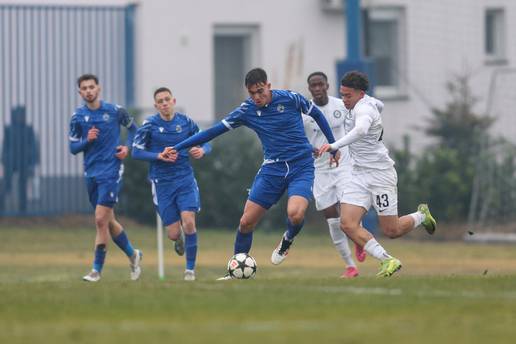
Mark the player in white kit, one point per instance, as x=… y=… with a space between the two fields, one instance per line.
x=330 y=180
x=373 y=178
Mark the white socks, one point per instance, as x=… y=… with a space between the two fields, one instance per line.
x=340 y=240
x=418 y=218
x=374 y=249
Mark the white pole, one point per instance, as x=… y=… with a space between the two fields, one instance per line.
x=159 y=233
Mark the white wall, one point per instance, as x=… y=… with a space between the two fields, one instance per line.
x=175 y=45
x=443 y=38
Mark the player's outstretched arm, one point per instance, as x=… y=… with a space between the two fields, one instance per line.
x=202 y=137
x=362 y=125
x=142 y=154
x=168 y=155
x=321 y=121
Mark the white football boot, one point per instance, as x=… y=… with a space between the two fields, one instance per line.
x=92 y=276
x=189 y=275
x=280 y=252
x=135 y=261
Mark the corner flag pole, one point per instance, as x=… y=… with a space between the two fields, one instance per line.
x=159 y=233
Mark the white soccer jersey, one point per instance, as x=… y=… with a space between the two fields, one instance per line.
x=335 y=113
x=368 y=151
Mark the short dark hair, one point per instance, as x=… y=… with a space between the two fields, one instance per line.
x=255 y=76
x=355 y=80
x=162 y=89
x=317 y=74
x=85 y=77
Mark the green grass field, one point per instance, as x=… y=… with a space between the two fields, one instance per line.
x=445 y=293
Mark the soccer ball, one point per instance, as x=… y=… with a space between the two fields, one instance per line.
x=242 y=266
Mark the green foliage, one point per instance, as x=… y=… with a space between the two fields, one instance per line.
x=224 y=178
x=458 y=127
x=445 y=182
x=456 y=175
x=136 y=197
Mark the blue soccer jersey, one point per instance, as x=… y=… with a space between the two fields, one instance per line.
x=155 y=135
x=99 y=155
x=279 y=125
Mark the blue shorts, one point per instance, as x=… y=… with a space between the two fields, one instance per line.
x=171 y=198
x=297 y=177
x=103 y=190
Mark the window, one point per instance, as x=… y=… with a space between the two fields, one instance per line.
x=235 y=52
x=384 y=38
x=494 y=44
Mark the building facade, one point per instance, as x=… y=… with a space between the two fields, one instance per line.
x=202 y=49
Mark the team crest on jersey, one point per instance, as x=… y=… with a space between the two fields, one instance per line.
x=86 y=118
x=178 y=128
x=259 y=112
x=337 y=114
x=349 y=115
x=105 y=117
x=280 y=108
x=161 y=129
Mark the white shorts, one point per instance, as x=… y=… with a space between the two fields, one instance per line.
x=329 y=186
x=373 y=187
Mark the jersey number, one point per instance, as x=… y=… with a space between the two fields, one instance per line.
x=382 y=201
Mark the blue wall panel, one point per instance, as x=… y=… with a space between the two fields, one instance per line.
x=43 y=49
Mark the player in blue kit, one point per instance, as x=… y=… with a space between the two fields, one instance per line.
x=95 y=131
x=174 y=187
x=275 y=116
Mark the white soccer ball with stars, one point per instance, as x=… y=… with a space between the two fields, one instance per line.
x=242 y=266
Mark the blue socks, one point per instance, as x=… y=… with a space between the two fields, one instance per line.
x=293 y=230
x=243 y=242
x=100 y=255
x=191 y=250
x=125 y=245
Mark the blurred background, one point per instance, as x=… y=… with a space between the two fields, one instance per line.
x=444 y=69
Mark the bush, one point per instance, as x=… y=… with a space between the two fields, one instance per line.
x=466 y=172
x=224 y=178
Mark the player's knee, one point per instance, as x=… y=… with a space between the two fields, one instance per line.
x=348 y=226
x=189 y=227
x=391 y=232
x=296 y=217
x=246 y=225
x=101 y=222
